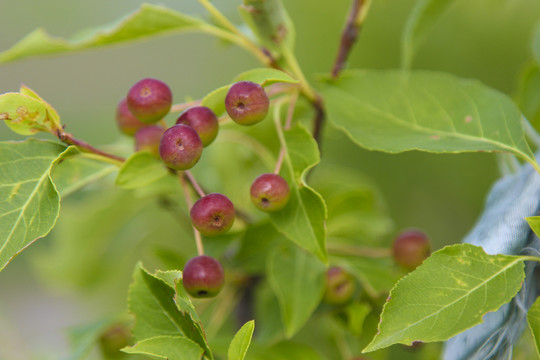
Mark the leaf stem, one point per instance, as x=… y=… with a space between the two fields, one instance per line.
x=189 y=201
x=67 y=138
x=353 y=26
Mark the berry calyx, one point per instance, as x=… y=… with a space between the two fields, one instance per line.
x=246 y=103
x=340 y=286
x=203 y=121
x=213 y=214
x=149 y=100
x=270 y=192
x=411 y=248
x=180 y=147
x=126 y=121
x=148 y=139
x=203 y=277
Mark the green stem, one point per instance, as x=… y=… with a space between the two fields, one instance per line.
x=291 y=60
x=221 y=19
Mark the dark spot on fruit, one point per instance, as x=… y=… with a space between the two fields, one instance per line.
x=202 y=292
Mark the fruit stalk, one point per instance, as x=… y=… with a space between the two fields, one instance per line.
x=189 y=201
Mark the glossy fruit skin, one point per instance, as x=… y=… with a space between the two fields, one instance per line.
x=213 y=214
x=126 y=121
x=180 y=147
x=247 y=103
x=203 y=121
x=340 y=286
x=149 y=100
x=203 y=277
x=148 y=139
x=411 y=248
x=270 y=192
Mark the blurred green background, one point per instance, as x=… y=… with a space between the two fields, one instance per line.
x=443 y=194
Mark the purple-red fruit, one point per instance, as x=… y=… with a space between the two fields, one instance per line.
x=203 y=121
x=149 y=100
x=213 y=214
x=340 y=286
x=126 y=121
x=180 y=147
x=411 y=248
x=203 y=277
x=246 y=103
x=148 y=139
x=270 y=192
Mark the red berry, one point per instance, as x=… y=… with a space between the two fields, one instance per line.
x=213 y=214
x=148 y=139
x=180 y=147
x=411 y=248
x=126 y=121
x=149 y=100
x=203 y=121
x=340 y=286
x=270 y=192
x=203 y=277
x=247 y=103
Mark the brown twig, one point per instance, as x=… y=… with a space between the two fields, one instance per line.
x=67 y=138
x=349 y=36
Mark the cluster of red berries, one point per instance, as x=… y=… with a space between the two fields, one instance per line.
x=180 y=148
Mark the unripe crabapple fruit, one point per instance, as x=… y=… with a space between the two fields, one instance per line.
x=246 y=103
x=340 y=286
x=180 y=147
x=149 y=100
x=126 y=121
x=203 y=121
x=203 y=277
x=213 y=214
x=148 y=139
x=411 y=248
x=270 y=192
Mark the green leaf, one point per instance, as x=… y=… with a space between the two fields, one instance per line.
x=153 y=302
x=528 y=97
x=149 y=20
x=449 y=293
x=263 y=76
x=240 y=343
x=25 y=114
x=303 y=219
x=256 y=244
x=52 y=114
x=167 y=347
x=78 y=170
x=270 y=23
x=423 y=16
x=298 y=280
x=140 y=169
x=396 y=111
x=533 y=317
x=29 y=201
x=534 y=223
x=377 y=275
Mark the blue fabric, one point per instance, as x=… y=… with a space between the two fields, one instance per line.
x=502 y=229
